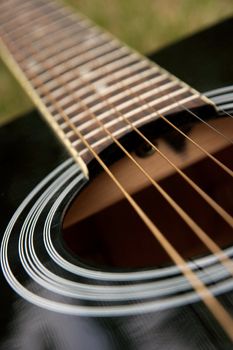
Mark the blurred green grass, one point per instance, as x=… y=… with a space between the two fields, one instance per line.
x=145 y=25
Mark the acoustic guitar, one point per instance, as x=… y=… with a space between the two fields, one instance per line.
x=116 y=198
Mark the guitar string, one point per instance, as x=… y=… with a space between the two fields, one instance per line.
x=214 y=306
x=195 y=229
x=188 y=110
x=208 y=242
x=215 y=129
x=225 y=112
x=186 y=136
x=50 y=6
x=57 y=9
x=189 y=139
x=74 y=128
x=111 y=37
x=184 y=107
x=88 y=21
x=208 y=124
x=221 y=316
x=214 y=159
x=227 y=217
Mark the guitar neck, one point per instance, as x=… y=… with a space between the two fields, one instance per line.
x=80 y=76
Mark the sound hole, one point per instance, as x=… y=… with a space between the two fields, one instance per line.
x=116 y=237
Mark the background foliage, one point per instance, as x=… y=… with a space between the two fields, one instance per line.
x=144 y=24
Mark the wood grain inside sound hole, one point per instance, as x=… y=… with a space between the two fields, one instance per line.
x=115 y=237
x=159 y=168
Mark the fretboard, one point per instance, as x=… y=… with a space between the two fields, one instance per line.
x=79 y=76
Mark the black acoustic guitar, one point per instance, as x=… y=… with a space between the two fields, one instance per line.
x=116 y=194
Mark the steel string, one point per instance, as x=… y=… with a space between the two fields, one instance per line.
x=210 y=301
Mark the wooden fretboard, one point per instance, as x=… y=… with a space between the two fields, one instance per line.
x=75 y=73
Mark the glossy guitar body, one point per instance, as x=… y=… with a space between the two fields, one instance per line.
x=28 y=160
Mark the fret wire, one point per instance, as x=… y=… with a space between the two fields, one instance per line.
x=68 y=74
x=6 y=4
x=29 y=14
x=72 y=54
x=37 y=17
x=101 y=115
x=113 y=122
x=133 y=80
x=206 y=240
x=119 y=108
x=198 y=231
x=62 y=40
x=44 y=32
x=141 y=121
x=7 y=19
x=75 y=84
x=91 y=98
x=114 y=65
x=116 y=41
x=60 y=91
x=225 y=168
x=115 y=100
x=181 y=107
x=138 y=122
x=155 y=77
x=201 y=148
x=213 y=205
x=214 y=129
x=222 y=315
x=12 y=64
x=210 y=301
x=123 y=74
x=76 y=117
x=60 y=58
x=106 y=114
x=48 y=29
x=112 y=38
x=117 y=120
x=117 y=95
x=58 y=35
x=8 y=10
x=106 y=55
x=58 y=48
x=156 y=80
x=214 y=159
x=137 y=78
x=227 y=217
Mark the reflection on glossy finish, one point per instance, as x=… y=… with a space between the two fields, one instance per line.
x=27 y=158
